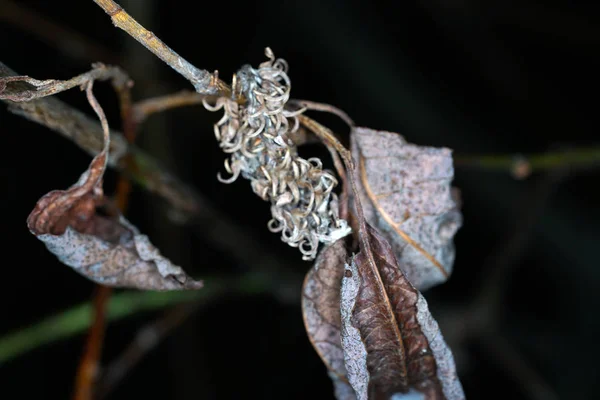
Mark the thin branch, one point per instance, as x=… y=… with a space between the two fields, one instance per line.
x=49 y=87
x=314 y=106
x=203 y=81
x=87 y=372
x=146 y=339
x=327 y=136
x=125 y=304
x=521 y=166
x=145 y=108
x=78 y=318
x=87 y=134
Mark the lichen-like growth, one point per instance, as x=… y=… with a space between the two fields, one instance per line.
x=257 y=135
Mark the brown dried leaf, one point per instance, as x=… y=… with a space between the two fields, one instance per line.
x=321 y=312
x=392 y=345
x=405 y=192
x=109 y=251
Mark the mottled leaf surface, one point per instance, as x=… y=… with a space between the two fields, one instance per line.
x=321 y=312
x=107 y=250
x=406 y=194
x=392 y=345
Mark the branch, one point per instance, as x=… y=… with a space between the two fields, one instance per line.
x=521 y=166
x=314 y=106
x=146 y=339
x=77 y=319
x=87 y=371
x=51 y=87
x=203 y=81
x=143 y=109
x=87 y=134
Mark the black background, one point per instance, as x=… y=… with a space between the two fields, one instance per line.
x=478 y=77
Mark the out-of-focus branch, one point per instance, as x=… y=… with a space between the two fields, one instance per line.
x=68 y=41
x=77 y=319
x=521 y=166
x=87 y=371
x=146 y=339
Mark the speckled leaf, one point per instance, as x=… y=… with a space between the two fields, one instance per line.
x=392 y=345
x=405 y=193
x=107 y=250
x=321 y=312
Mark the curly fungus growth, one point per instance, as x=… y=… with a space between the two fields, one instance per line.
x=257 y=135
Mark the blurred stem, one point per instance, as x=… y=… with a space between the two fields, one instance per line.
x=147 y=338
x=87 y=370
x=122 y=305
x=521 y=166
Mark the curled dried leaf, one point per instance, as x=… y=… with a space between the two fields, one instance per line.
x=321 y=312
x=107 y=250
x=391 y=343
x=405 y=192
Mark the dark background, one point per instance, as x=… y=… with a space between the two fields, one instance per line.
x=478 y=77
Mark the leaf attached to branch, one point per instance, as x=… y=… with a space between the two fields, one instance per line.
x=392 y=345
x=405 y=192
x=106 y=250
x=321 y=312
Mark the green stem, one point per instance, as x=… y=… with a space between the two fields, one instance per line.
x=78 y=318
x=572 y=158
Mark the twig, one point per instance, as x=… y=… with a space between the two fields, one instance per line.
x=87 y=371
x=145 y=108
x=521 y=166
x=54 y=34
x=327 y=136
x=145 y=340
x=87 y=134
x=312 y=105
x=51 y=87
x=203 y=81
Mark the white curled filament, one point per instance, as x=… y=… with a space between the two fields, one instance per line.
x=256 y=134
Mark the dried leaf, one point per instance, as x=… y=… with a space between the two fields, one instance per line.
x=321 y=312
x=391 y=343
x=107 y=250
x=405 y=192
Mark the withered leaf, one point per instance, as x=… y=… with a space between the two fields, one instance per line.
x=321 y=312
x=405 y=192
x=392 y=345
x=107 y=250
